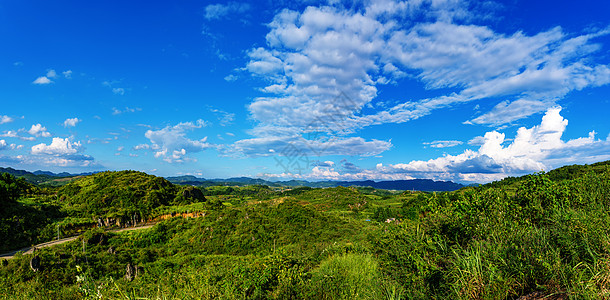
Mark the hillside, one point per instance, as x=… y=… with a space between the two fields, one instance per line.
x=120 y=194
x=536 y=236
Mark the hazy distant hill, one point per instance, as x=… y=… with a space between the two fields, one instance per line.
x=28 y=176
x=38 y=177
x=414 y=184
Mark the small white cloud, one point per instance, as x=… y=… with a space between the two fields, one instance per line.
x=218 y=11
x=71 y=122
x=67 y=74
x=141 y=147
x=51 y=74
x=120 y=148
x=118 y=91
x=116 y=111
x=231 y=78
x=443 y=144
x=38 y=130
x=42 y=80
x=5 y=119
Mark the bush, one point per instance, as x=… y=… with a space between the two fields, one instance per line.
x=349 y=276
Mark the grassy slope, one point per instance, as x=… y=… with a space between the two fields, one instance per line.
x=545 y=233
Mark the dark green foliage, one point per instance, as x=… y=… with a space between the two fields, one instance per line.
x=23 y=223
x=12 y=188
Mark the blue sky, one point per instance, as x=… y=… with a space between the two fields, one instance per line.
x=469 y=91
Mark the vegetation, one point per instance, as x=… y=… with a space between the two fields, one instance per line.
x=540 y=235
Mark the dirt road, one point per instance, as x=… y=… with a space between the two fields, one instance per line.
x=28 y=250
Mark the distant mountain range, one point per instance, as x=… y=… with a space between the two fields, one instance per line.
x=38 y=177
x=413 y=184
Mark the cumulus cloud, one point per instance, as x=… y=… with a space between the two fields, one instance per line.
x=38 y=130
x=58 y=146
x=171 y=143
x=71 y=122
x=218 y=11
x=314 y=56
x=67 y=74
x=539 y=148
x=62 y=152
x=5 y=119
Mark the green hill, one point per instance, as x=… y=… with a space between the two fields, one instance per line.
x=121 y=194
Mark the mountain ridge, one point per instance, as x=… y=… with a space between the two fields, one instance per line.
x=39 y=176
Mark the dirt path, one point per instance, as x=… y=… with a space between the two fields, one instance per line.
x=28 y=250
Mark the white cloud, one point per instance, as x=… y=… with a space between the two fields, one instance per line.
x=443 y=144
x=10 y=133
x=477 y=141
x=171 y=143
x=141 y=147
x=533 y=149
x=38 y=130
x=51 y=74
x=112 y=86
x=118 y=91
x=231 y=78
x=5 y=119
x=67 y=74
x=224 y=117
x=42 y=80
x=58 y=146
x=218 y=11
x=61 y=152
x=297 y=146
x=116 y=111
x=314 y=55
x=4 y=146
x=71 y=122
